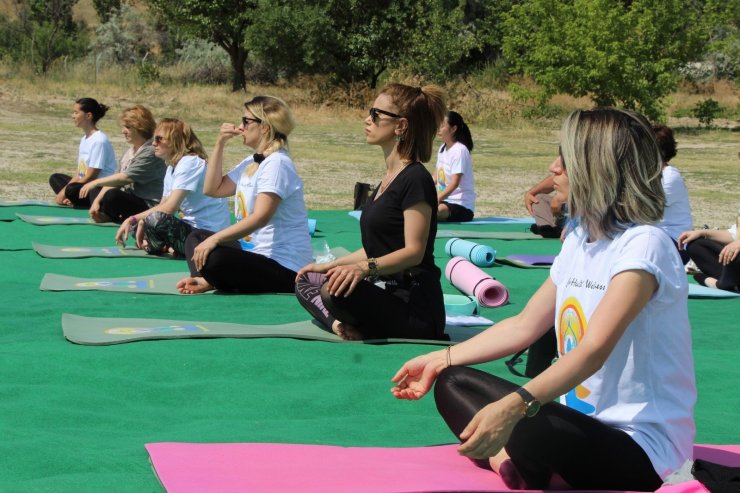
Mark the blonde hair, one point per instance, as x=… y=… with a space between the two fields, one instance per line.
x=140 y=119
x=275 y=113
x=614 y=167
x=424 y=108
x=181 y=139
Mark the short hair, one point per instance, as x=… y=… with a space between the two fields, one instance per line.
x=275 y=113
x=462 y=131
x=140 y=119
x=89 y=105
x=614 y=168
x=666 y=142
x=424 y=108
x=181 y=138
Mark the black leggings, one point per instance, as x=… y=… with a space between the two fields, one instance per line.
x=705 y=254
x=375 y=312
x=231 y=269
x=72 y=192
x=120 y=205
x=586 y=453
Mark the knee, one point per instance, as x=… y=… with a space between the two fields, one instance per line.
x=155 y=218
x=447 y=380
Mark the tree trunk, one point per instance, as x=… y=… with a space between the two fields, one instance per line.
x=238 y=57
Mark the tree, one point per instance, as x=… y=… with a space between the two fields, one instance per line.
x=106 y=8
x=625 y=54
x=223 y=22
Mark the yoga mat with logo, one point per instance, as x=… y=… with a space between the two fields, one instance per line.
x=52 y=251
x=60 y=220
x=490 y=235
x=282 y=467
x=24 y=203
x=474 y=282
x=93 y=331
x=528 y=261
x=477 y=254
x=152 y=284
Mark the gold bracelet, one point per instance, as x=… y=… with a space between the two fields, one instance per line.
x=449 y=357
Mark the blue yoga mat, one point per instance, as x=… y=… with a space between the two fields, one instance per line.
x=479 y=255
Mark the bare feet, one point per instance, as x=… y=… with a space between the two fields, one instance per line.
x=503 y=466
x=193 y=285
x=346 y=331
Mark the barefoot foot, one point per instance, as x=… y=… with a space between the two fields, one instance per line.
x=193 y=285
x=346 y=331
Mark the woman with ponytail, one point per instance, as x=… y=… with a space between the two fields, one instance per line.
x=96 y=158
x=391 y=286
x=270 y=241
x=162 y=229
x=454 y=177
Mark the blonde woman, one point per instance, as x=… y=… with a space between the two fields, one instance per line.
x=138 y=184
x=391 y=286
x=162 y=229
x=617 y=294
x=270 y=240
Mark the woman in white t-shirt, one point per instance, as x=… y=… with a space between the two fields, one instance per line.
x=617 y=295
x=454 y=173
x=162 y=229
x=270 y=241
x=96 y=158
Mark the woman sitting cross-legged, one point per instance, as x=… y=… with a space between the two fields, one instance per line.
x=270 y=241
x=162 y=229
x=615 y=411
x=391 y=286
x=717 y=255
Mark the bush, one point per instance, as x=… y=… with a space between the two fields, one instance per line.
x=124 y=38
x=706 y=111
x=203 y=62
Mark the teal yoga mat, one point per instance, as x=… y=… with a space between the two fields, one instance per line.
x=93 y=331
x=23 y=203
x=151 y=284
x=52 y=251
x=491 y=235
x=59 y=220
x=698 y=291
x=477 y=254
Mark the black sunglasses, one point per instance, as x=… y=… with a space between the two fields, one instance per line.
x=246 y=120
x=375 y=115
x=158 y=139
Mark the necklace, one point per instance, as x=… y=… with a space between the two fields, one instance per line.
x=385 y=183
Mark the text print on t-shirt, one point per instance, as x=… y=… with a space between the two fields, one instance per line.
x=585 y=283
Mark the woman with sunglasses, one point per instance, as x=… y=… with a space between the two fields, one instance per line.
x=96 y=158
x=454 y=176
x=270 y=240
x=391 y=286
x=162 y=229
x=138 y=184
x=617 y=294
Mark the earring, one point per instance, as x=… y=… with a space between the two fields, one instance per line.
x=400 y=138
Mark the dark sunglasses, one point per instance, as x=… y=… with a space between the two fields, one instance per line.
x=246 y=120
x=158 y=139
x=375 y=115
x=562 y=159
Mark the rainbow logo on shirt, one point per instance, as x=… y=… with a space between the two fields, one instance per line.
x=81 y=168
x=241 y=213
x=571 y=329
x=441 y=179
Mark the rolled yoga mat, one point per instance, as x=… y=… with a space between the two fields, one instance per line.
x=490 y=235
x=472 y=281
x=477 y=254
x=51 y=251
x=92 y=331
x=528 y=261
x=58 y=220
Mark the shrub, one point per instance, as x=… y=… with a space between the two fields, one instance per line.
x=706 y=111
x=203 y=62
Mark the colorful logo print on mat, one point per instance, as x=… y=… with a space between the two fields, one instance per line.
x=166 y=329
x=103 y=250
x=571 y=328
x=130 y=284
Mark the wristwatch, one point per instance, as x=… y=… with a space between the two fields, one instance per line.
x=372 y=267
x=531 y=405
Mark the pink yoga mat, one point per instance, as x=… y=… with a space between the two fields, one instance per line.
x=273 y=467
x=474 y=282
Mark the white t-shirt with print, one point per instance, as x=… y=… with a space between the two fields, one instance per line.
x=677 y=215
x=453 y=161
x=197 y=209
x=285 y=238
x=96 y=152
x=647 y=386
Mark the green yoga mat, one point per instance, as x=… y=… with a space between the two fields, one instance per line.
x=23 y=203
x=59 y=220
x=491 y=235
x=93 y=331
x=51 y=251
x=152 y=284
x=698 y=291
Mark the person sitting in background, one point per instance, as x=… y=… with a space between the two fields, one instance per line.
x=617 y=293
x=391 y=286
x=548 y=211
x=138 y=184
x=96 y=158
x=454 y=175
x=270 y=241
x=162 y=229
x=715 y=253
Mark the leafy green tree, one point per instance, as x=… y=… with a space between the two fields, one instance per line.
x=223 y=22
x=625 y=54
x=106 y=8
